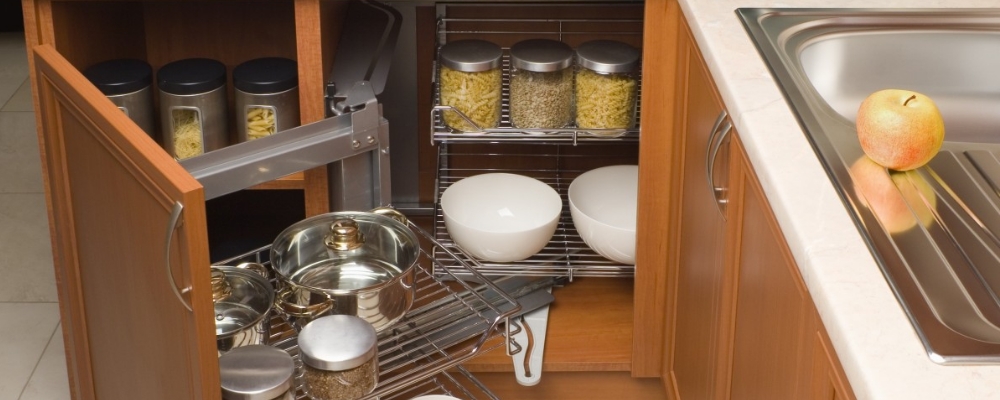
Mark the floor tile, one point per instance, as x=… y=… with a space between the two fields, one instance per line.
x=21 y=100
x=26 y=266
x=20 y=163
x=50 y=380
x=13 y=63
x=26 y=330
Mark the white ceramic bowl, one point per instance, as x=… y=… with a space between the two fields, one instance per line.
x=435 y=397
x=603 y=206
x=501 y=217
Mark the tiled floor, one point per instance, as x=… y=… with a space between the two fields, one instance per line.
x=32 y=364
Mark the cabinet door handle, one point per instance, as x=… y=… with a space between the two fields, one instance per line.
x=711 y=143
x=719 y=193
x=175 y=217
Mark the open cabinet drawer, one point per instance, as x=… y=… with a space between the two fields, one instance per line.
x=132 y=263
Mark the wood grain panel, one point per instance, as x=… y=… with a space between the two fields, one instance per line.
x=659 y=157
x=112 y=189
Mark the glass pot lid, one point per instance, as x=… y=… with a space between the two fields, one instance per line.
x=344 y=252
x=242 y=298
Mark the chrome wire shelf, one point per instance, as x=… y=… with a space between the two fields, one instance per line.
x=566 y=255
x=559 y=29
x=454 y=318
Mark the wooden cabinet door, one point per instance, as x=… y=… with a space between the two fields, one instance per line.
x=695 y=360
x=774 y=326
x=112 y=193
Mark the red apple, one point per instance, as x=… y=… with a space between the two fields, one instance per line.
x=900 y=200
x=900 y=129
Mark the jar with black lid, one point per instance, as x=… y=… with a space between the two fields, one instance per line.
x=338 y=357
x=471 y=81
x=541 y=84
x=607 y=83
x=257 y=372
x=193 y=106
x=266 y=97
x=127 y=83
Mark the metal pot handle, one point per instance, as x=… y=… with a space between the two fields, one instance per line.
x=391 y=213
x=256 y=267
x=295 y=310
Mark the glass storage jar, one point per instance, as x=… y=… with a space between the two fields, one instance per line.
x=127 y=83
x=471 y=82
x=607 y=84
x=339 y=357
x=541 y=84
x=257 y=372
x=193 y=106
x=266 y=97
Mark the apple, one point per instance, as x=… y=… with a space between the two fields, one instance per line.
x=900 y=129
x=900 y=200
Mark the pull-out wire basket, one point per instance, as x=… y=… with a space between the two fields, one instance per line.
x=566 y=254
x=619 y=21
x=457 y=314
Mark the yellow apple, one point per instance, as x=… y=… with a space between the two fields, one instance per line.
x=900 y=200
x=900 y=129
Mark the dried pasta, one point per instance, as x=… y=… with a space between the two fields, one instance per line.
x=188 y=140
x=260 y=122
x=604 y=101
x=475 y=94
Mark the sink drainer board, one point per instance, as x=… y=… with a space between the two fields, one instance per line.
x=945 y=269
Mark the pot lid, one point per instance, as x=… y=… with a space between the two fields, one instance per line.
x=242 y=299
x=337 y=342
x=255 y=372
x=607 y=56
x=342 y=252
x=541 y=55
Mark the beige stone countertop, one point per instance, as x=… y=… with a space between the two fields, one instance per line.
x=881 y=353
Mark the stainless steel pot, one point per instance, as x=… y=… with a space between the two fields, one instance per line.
x=350 y=263
x=243 y=299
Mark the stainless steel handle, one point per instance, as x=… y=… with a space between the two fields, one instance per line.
x=175 y=217
x=709 y=158
x=717 y=192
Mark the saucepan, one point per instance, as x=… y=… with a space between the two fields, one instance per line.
x=352 y=263
x=243 y=297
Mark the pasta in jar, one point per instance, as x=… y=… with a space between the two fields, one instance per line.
x=607 y=86
x=187 y=134
x=471 y=82
x=260 y=122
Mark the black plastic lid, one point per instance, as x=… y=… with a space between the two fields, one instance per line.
x=115 y=77
x=266 y=75
x=191 y=76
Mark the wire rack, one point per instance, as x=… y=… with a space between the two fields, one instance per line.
x=557 y=165
x=556 y=28
x=454 y=318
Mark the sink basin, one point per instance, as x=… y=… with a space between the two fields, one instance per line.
x=934 y=231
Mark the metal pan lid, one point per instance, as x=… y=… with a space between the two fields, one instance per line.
x=541 y=55
x=337 y=342
x=242 y=299
x=471 y=55
x=256 y=372
x=607 y=56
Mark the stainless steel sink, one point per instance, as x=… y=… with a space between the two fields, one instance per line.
x=934 y=231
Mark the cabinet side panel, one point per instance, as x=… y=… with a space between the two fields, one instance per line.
x=656 y=165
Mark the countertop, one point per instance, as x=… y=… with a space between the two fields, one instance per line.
x=876 y=343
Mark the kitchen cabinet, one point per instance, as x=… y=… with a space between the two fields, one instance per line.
x=742 y=324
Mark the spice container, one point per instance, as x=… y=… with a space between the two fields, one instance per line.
x=338 y=357
x=471 y=81
x=126 y=82
x=541 y=84
x=266 y=97
x=606 y=85
x=192 y=106
x=257 y=372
